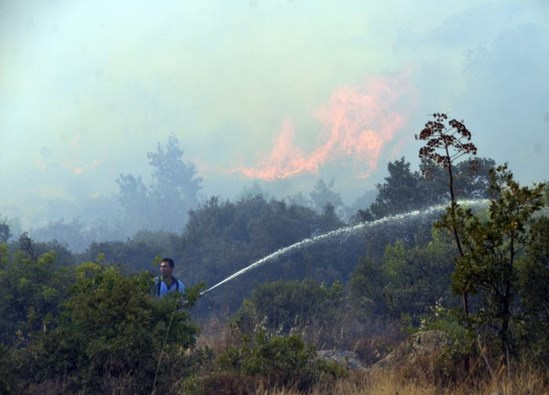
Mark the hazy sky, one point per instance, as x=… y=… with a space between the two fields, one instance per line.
x=260 y=90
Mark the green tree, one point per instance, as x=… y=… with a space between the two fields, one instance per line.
x=491 y=249
x=4 y=233
x=472 y=178
x=73 y=234
x=402 y=192
x=533 y=291
x=405 y=190
x=31 y=289
x=134 y=200
x=138 y=253
x=418 y=277
x=12 y=227
x=366 y=286
x=164 y=204
x=175 y=185
x=324 y=195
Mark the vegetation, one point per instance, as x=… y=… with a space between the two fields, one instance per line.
x=276 y=361
x=174 y=190
x=474 y=278
x=88 y=328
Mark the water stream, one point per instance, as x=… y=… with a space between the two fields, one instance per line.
x=343 y=231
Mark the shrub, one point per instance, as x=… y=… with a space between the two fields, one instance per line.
x=112 y=334
x=278 y=361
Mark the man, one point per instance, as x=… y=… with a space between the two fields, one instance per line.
x=167 y=282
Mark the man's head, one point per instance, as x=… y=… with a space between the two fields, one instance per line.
x=166 y=267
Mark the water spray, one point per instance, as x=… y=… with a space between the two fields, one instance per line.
x=341 y=231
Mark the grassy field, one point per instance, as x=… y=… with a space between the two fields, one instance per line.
x=382 y=382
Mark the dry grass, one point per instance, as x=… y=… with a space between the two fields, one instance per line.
x=419 y=378
x=525 y=381
x=216 y=335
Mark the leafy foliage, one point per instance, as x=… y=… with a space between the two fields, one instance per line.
x=283 y=307
x=94 y=327
x=87 y=327
x=279 y=361
x=402 y=191
x=110 y=327
x=366 y=286
x=418 y=277
x=492 y=248
x=533 y=291
x=223 y=237
x=137 y=253
x=405 y=190
x=31 y=290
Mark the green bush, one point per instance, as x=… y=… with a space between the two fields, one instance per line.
x=282 y=307
x=278 y=361
x=31 y=289
x=112 y=334
x=7 y=378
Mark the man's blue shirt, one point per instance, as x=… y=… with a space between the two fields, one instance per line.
x=176 y=285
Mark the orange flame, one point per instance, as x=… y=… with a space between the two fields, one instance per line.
x=359 y=122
